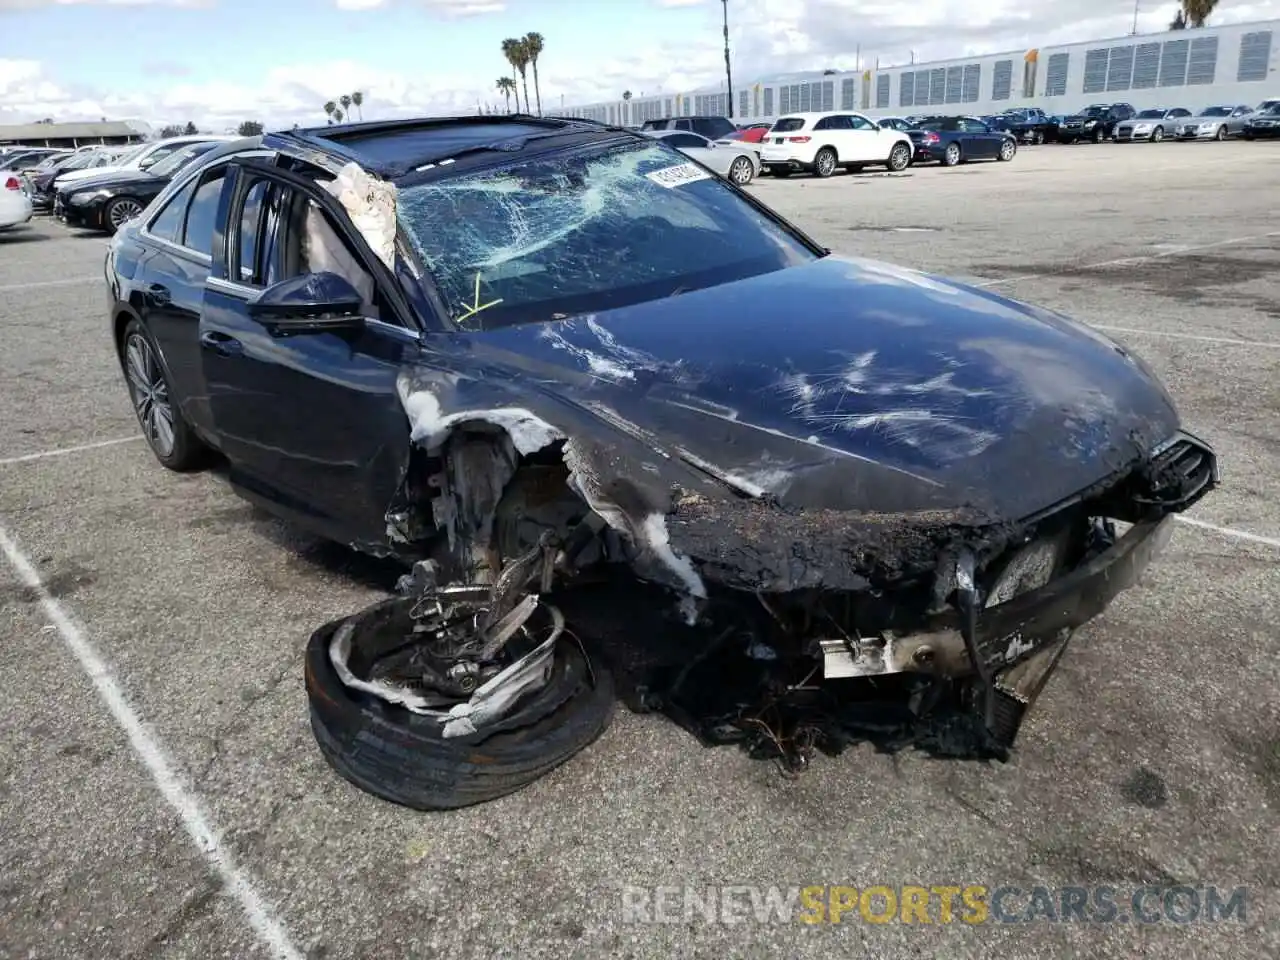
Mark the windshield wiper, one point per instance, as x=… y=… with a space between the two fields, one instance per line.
x=509 y=145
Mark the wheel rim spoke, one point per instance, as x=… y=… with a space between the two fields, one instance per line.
x=151 y=395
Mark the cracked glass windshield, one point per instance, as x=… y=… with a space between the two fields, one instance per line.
x=589 y=230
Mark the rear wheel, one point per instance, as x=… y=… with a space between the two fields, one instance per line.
x=741 y=171
x=167 y=432
x=951 y=156
x=899 y=157
x=824 y=164
x=1007 y=150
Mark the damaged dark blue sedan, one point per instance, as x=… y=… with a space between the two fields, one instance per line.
x=633 y=433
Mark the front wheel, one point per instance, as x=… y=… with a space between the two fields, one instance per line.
x=1007 y=150
x=741 y=171
x=1157 y=134
x=119 y=212
x=1098 y=135
x=951 y=156
x=824 y=164
x=167 y=432
x=1221 y=134
x=1037 y=138
x=899 y=157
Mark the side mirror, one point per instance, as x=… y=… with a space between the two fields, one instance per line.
x=312 y=301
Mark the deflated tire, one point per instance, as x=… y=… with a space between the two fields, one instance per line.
x=402 y=756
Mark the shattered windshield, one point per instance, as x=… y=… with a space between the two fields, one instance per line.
x=569 y=233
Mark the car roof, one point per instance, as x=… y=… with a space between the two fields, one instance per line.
x=393 y=149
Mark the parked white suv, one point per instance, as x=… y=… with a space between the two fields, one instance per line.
x=823 y=142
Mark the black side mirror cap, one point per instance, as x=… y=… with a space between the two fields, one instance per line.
x=311 y=301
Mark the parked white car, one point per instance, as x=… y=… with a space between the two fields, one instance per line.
x=143 y=157
x=15 y=204
x=821 y=143
x=732 y=160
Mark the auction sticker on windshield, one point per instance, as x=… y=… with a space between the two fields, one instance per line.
x=678 y=175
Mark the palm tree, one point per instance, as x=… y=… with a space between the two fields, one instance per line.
x=358 y=99
x=521 y=52
x=330 y=108
x=1198 y=11
x=506 y=86
x=533 y=46
x=337 y=116
x=510 y=50
x=345 y=100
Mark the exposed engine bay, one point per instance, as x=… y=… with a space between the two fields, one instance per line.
x=787 y=631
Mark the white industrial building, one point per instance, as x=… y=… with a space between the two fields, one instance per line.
x=1237 y=64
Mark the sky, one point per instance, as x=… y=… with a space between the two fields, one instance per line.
x=219 y=62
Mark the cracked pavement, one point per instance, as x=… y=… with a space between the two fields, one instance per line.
x=1154 y=756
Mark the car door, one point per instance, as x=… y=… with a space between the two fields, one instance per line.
x=306 y=409
x=694 y=146
x=1239 y=117
x=868 y=142
x=984 y=143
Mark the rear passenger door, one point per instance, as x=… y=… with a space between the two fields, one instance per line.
x=306 y=409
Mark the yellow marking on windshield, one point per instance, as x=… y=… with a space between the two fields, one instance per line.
x=471 y=309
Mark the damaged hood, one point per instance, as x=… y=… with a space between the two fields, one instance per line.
x=842 y=384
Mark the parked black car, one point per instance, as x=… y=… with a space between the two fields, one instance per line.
x=534 y=356
x=1029 y=124
x=107 y=201
x=1095 y=123
x=953 y=140
x=1263 y=125
x=42 y=192
x=713 y=128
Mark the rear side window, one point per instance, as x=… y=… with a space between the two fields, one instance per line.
x=789 y=125
x=168 y=222
x=198 y=234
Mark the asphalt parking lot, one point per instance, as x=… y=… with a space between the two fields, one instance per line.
x=1153 y=757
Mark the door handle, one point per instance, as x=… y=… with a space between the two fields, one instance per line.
x=221 y=344
x=158 y=295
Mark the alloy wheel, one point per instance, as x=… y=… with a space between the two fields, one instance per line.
x=1158 y=134
x=740 y=171
x=121 y=211
x=953 y=154
x=1006 y=150
x=150 y=394
x=899 y=157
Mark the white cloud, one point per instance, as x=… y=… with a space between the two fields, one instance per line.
x=447 y=8
x=767 y=36
x=31 y=4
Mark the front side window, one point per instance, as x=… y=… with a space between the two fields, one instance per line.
x=582 y=231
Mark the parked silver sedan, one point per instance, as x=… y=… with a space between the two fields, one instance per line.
x=1153 y=124
x=732 y=160
x=1215 y=123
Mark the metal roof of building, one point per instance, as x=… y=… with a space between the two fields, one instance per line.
x=20 y=132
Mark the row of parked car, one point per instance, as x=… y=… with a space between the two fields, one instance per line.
x=95 y=187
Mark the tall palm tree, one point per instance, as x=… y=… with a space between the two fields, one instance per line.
x=511 y=50
x=533 y=45
x=358 y=99
x=506 y=86
x=521 y=51
x=345 y=100
x=1198 y=11
x=330 y=108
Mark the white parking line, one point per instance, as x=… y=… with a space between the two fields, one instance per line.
x=1188 y=336
x=35 y=284
x=1140 y=258
x=1229 y=532
x=62 y=452
x=177 y=794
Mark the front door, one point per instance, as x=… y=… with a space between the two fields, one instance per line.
x=868 y=142
x=309 y=419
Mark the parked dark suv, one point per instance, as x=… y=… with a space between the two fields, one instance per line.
x=1096 y=122
x=713 y=128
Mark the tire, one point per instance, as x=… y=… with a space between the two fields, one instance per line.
x=1007 y=151
x=1098 y=135
x=899 y=158
x=1038 y=137
x=824 y=163
x=148 y=386
x=1157 y=134
x=1221 y=134
x=118 y=211
x=951 y=156
x=741 y=171
x=401 y=756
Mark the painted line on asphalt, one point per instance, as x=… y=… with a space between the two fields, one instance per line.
x=185 y=803
x=1187 y=336
x=1140 y=258
x=1230 y=532
x=64 y=451
x=37 y=284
